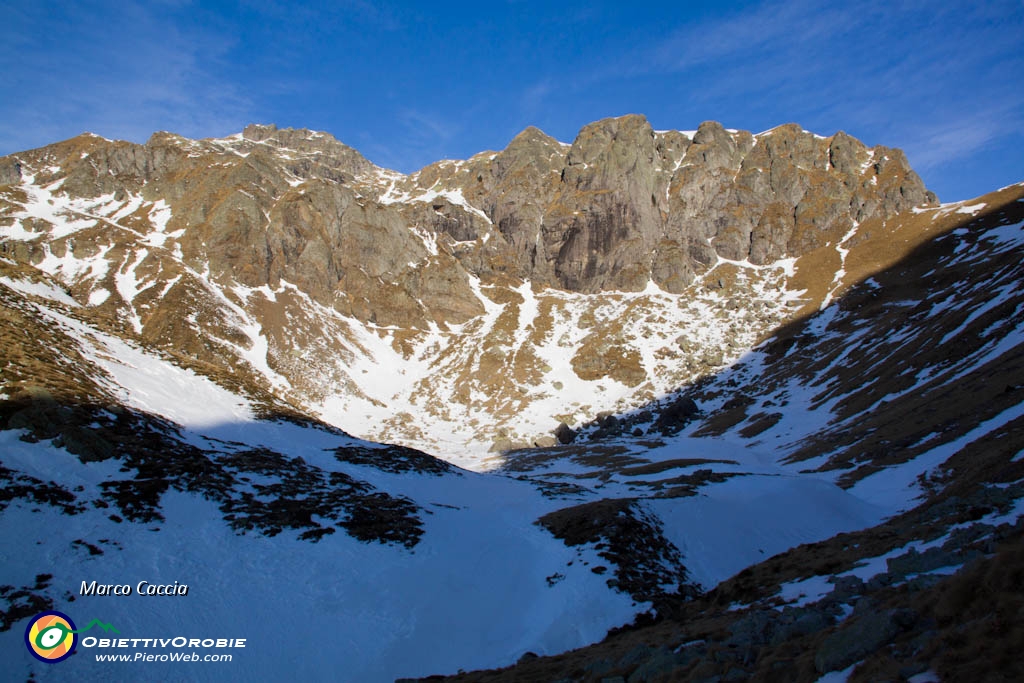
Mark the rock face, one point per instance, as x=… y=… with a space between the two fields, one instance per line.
x=510 y=286
x=619 y=207
x=625 y=204
x=10 y=171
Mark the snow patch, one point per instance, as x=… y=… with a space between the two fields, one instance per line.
x=98 y=296
x=40 y=289
x=971 y=209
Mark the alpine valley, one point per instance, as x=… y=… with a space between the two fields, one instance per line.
x=656 y=405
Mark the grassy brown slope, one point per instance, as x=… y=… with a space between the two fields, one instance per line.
x=894 y=367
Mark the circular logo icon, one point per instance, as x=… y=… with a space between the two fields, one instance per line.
x=51 y=637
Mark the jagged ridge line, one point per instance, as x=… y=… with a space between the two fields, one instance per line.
x=96 y=622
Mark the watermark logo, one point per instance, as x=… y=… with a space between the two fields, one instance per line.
x=51 y=637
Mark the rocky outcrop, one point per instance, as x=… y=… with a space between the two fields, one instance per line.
x=626 y=204
x=273 y=205
x=622 y=205
x=607 y=213
x=10 y=171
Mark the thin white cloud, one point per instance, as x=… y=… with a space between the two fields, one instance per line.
x=532 y=99
x=325 y=17
x=126 y=81
x=954 y=139
x=903 y=68
x=426 y=127
x=770 y=29
x=420 y=137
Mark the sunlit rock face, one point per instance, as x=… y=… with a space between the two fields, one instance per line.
x=471 y=306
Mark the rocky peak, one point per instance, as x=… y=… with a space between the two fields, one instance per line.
x=605 y=151
x=532 y=136
x=625 y=204
x=321 y=147
x=259 y=132
x=714 y=147
x=598 y=235
x=531 y=149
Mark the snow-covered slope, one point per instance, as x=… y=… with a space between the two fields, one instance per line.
x=472 y=593
x=246 y=513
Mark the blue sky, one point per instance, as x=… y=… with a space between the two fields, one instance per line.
x=411 y=83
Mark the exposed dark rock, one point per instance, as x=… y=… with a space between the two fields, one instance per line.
x=565 y=434
x=846 y=587
x=860 y=636
x=676 y=415
x=647 y=565
x=10 y=171
x=15 y=486
x=156 y=461
x=17 y=603
x=914 y=562
x=658 y=665
x=395 y=459
x=635 y=656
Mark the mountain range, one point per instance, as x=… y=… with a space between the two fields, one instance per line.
x=759 y=396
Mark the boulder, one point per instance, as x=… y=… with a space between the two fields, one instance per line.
x=565 y=434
